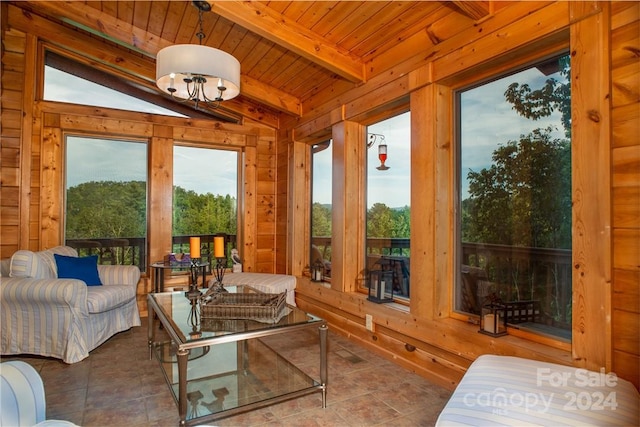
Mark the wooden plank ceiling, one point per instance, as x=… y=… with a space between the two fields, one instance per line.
x=290 y=51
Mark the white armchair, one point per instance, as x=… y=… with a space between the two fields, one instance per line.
x=22 y=397
x=63 y=318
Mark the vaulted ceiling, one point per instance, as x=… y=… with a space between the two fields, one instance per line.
x=293 y=54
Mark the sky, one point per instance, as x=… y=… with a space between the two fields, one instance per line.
x=207 y=171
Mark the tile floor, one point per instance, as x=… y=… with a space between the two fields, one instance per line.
x=117 y=385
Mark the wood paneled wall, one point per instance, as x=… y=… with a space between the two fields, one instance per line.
x=13 y=75
x=625 y=187
x=603 y=40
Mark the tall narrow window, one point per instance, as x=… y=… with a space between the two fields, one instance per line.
x=389 y=200
x=515 y=198
x=106 y=199
x=205 y=197
x=321 y=207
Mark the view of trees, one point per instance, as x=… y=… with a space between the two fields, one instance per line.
x=195 y=213
x=109 y=209
x=524 y=197
x=382 y=221
x=106 y=209
x=321 y=215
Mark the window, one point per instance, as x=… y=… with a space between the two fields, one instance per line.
x=321 y=206
x=64 y=87
x=205 y=197
x=514 y=231
x=106 y=199
x=389 y=200
x=66 y=80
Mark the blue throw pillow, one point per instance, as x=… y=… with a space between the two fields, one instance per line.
x=83 y=268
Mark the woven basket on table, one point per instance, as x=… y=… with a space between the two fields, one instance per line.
x=244 y=306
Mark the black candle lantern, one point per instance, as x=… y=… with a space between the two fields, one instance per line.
x=317 y=271
x=493 y=319
x=380 y=286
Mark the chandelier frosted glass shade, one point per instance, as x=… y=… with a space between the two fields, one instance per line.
x=197 y=73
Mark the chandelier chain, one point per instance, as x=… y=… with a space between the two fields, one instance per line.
x=200 y=34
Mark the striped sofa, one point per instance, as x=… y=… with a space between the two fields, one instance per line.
x=62 y=318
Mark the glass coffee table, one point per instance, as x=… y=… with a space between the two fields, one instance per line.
x=217 y=368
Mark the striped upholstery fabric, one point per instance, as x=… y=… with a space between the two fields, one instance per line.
x=22 y=397
x=29 y=264
x=111 y=294
x=118 y=274
x=64 y=318
x=513 y=391
x=105 y=298
x=45 y=317
x=38 y=265
x=21 y=394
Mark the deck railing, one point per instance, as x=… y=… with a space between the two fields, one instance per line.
x=131 y=250
x=522 y=274
x=514 y=273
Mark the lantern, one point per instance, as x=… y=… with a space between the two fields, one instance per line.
x=380 y=286
x=493 y=319
x=317 y=271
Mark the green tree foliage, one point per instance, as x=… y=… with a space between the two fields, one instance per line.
x=106 y=209
x=401 y=223
x=524 y=198
x=379 y=221
x=321 y=220
x=195 y=213
x=383 y=221
x=553 y=95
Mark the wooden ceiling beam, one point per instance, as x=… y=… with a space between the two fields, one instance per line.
x=475 y=10
x=260 y=19
x=82 y=16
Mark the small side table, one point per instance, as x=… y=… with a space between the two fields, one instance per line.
x=160 y=267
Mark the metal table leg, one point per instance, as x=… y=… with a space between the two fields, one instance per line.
x=182 y=356
x=151 y=331
x=323 y=363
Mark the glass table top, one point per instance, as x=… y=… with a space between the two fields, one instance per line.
x=189 y=326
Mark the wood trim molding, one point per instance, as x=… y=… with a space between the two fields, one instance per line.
x=591 y=189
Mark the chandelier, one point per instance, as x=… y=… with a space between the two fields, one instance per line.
x=198 y=73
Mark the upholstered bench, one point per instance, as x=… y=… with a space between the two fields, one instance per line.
x=265 y=282
x=513 y=391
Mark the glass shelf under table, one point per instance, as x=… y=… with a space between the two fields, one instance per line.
x=227 y=367
x=234 y=377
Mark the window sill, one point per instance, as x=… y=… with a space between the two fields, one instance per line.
x=455 y=336
x=515 y=343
